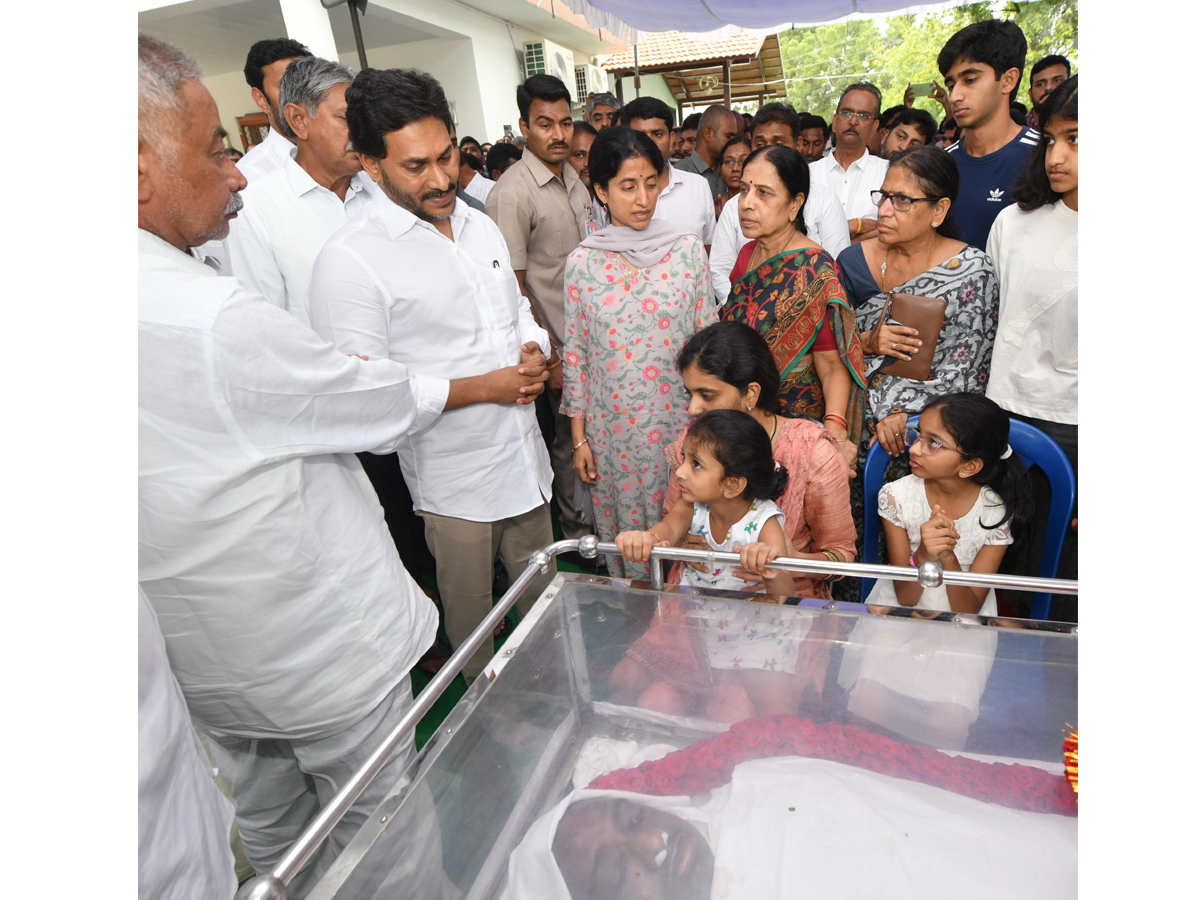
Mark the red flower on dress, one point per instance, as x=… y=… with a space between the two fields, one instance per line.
x=655 y=435
x=664 y=388
x=664 y=323
x=650 y=373
x=571 y=358
x=650 y=305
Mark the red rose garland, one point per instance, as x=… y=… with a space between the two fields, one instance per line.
x=709 y=763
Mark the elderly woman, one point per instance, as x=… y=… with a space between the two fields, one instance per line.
x=733 y=157
x=787 y=289
x=917 y=252
x=636 y=290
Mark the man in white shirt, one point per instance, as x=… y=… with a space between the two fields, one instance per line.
x=850 y=171
x=289 y=621
x=685 y=200
x=778 y=123
x=425 y=280
x=265 y=64
x=290 y=213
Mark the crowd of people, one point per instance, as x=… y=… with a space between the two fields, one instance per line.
x=368 y=341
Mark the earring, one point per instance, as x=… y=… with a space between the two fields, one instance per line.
x=936 y=224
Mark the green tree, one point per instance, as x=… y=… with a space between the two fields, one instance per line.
x=819 y=62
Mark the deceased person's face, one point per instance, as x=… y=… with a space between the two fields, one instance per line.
x=613 y=848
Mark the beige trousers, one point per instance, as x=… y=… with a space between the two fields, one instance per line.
x=464 y=551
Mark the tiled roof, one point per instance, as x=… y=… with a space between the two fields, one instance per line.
x=668 y=48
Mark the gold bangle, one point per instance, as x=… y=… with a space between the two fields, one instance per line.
x=580 y=444
x=657 y=536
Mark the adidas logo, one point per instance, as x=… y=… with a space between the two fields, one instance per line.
x=995 y=196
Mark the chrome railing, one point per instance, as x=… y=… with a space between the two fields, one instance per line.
x=273 y=886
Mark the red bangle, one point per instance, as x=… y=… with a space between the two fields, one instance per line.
x=839 y=419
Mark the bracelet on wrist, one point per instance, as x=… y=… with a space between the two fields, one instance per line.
x=841 y=420
x=580 y=444
x=554 y=365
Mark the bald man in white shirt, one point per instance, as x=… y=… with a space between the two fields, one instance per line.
x=290 y=623
x=423 y=279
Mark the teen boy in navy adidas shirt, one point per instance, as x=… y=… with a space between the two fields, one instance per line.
x=982 y=66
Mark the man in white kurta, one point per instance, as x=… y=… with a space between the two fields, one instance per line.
x=289 y=621
x=429 y=284
x=183 y=821
x=292 y=211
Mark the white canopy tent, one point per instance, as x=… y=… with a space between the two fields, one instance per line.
x=714 y=19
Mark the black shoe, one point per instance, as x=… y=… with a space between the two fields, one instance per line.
x=499 y=578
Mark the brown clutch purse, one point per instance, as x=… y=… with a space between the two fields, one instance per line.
x=926 y=314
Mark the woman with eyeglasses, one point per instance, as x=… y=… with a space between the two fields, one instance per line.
x=917 y=251
x=733 y=157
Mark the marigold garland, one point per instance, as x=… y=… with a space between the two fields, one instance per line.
x=709 y=763
x=1071 y=758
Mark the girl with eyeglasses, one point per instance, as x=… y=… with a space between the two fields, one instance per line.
x=958 y=507
x=967 y=492
x=917 y=251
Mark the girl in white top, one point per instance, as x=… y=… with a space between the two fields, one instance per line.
x=730 y=481
x=957 y=506
x=967 y=488
x=1034 y=245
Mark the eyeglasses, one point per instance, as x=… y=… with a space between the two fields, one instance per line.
x=932 y=445
x=849 y=114
x=900 y=203
x=731 y=162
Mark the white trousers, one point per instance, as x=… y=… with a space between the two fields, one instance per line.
x=278 y=786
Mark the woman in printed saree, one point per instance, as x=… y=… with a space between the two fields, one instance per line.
x=787 y=289
x=636 y=290
x=917 y=252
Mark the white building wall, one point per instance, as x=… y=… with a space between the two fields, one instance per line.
x=652 y=86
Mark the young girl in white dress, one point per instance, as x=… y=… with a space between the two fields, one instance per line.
x=966 y=491
x=730 y=481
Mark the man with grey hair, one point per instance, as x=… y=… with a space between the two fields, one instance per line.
x=289 y=621
x=718 y=126
x=602 y=110
x=291 y=212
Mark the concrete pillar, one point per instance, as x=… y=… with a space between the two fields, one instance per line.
x=307 y=21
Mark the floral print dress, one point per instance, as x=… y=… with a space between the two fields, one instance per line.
x=624 y=327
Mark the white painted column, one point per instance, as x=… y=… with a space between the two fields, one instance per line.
x=307 y=21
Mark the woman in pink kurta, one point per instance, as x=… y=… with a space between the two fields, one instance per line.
x=730 y=366
x=635 y=292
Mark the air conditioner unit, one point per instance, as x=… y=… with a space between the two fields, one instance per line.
x=591 y=80
x=545 y=58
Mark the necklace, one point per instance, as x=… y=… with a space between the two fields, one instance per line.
x=884 y=265
x=774 y=426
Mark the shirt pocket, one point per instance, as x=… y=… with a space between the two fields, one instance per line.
x=503 y=299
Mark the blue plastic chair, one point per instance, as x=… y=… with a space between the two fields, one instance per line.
x=1034 y=447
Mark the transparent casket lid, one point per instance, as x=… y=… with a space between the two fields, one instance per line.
x=740 y=749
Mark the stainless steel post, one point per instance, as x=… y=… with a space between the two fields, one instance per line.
x=274 y=886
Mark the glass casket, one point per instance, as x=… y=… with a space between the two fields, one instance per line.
x=738 y=749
